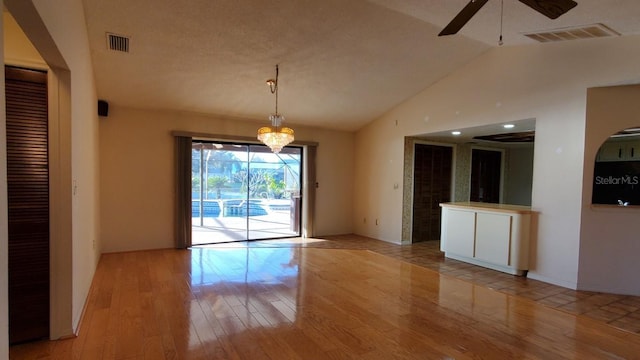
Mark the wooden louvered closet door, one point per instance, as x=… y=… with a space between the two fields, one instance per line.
x=431 y=186
x=28 y=198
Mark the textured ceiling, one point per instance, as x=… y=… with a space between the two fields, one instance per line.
x=342 y=63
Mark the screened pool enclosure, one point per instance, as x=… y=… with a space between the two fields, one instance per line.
x=244 y=192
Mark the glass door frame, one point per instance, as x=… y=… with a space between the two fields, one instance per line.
x=245 y=207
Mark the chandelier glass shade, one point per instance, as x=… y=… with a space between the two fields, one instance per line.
x=275 y=136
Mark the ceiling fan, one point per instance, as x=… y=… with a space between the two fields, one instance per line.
x=549 y=8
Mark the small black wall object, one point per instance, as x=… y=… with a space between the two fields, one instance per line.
x=103 y=108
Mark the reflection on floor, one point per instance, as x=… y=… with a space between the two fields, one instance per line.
x=215 y=230
x=340 y=298
x=621 y=311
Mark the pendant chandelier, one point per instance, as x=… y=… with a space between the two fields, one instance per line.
x=275 y=136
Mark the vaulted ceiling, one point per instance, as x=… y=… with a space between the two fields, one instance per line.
x=342 y=63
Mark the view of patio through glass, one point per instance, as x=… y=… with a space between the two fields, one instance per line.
x=244 y=192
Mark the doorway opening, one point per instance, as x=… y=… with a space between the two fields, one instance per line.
x=486 y=175
x=244 y=192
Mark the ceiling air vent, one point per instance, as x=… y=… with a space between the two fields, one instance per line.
x=117 y=42
x=572 y=33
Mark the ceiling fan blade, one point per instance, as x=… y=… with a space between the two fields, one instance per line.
x=550 y=8
x=463 y=17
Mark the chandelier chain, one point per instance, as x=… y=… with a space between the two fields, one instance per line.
x=276 y=89
x=275 y=136
x=500 y=42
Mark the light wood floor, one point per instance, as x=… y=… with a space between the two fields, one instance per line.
x=621 y=311
x=316 y=300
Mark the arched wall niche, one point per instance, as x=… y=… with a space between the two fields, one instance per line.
x=616 y=177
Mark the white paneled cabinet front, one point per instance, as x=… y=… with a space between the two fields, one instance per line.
x=490 y=235
x=493 y=235
x=460 y=231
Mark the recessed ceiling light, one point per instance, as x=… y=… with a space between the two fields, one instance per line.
x=508 y=126
x=456 y=133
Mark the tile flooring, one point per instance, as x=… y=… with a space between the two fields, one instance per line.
x=620 y=311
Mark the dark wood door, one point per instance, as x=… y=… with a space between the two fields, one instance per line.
x=486 y=168
x=432 y=186
x=28 y=203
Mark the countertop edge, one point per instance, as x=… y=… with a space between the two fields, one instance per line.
x=505 y=208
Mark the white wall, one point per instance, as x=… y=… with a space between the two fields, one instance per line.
x=137 y=167
x=19 y=50
x=519 y=174
x=66 y=23
x=58 y=32
x=547 y=82
x=610 y=245
x=379 y=164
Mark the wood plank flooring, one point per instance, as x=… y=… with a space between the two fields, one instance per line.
x=621 y=311
x=315 y=300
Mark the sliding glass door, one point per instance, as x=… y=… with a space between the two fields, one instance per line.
x=244 y=192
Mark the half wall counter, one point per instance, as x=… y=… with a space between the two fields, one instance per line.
x=495 y=236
